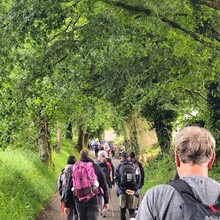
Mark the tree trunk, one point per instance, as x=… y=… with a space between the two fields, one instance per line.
x=164 y=134
x=80 y=142
x=131 y=136
x=59 y=137
x=69 y=131
x=43 y=135
x=86 y=140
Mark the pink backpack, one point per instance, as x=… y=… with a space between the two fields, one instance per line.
x=84 y=181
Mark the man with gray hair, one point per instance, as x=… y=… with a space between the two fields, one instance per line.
x=194 y=149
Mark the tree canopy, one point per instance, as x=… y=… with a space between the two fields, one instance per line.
x=94 y=63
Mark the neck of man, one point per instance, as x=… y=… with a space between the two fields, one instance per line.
x=190 y=169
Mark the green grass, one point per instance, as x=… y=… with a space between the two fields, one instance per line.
x=26 y=184
x=158 y=171
x=61 y=158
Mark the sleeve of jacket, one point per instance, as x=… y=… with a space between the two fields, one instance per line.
x=138 y=177
x=68 y=198
x=142 y=173
x=116 y=175
x=102 y=181
x=108 y=179
x=59 y=184
x=120 y=189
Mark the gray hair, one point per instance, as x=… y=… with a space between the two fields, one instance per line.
x=194 y=145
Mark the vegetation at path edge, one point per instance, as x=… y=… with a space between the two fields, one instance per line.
x=161 y=170
x=26 y=183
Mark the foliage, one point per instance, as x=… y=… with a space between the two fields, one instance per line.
x=60 y=159
x=164 y=166
x=161 y=169
x=26 y=183
x=74 y=57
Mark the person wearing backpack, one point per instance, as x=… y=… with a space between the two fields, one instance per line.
x=102 y=153
x=194 y=194
x=120 y=150
x=139 y=164
x=127 y=178
x=86 y=183
x=62 y=185
x=106 y=170
x=112 y=168
x=96 y=148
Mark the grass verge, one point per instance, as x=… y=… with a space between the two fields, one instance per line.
x=26 y=184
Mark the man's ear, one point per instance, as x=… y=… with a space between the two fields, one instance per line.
x=211 y=162
x=177 y=161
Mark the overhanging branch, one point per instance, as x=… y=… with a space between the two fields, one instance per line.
x=215 y=4
x=149 y=12
x=196 y=93
x=131 y=8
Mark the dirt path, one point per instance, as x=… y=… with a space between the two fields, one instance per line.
x=53 y=210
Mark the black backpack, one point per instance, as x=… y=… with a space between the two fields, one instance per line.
x=193 y=208
x=127 y=172
x=96 y=147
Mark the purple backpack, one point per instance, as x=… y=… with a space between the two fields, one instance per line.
x=84 y=181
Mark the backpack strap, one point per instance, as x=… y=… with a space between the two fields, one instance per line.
x=184 y=190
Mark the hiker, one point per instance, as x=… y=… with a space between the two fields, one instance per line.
x=62 y=184
x=112 y=168
x=102 y=153
x=139 y=164
x=106 y=147
x=86 y=198
x=107 y=171
x=96 y=148
x=127 y=178
x=194 y=149
x=91 y=143
x=120 y=150
x=114 y=149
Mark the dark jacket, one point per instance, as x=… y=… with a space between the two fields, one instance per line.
x=106 y=170
x=117 y=178
x=134 y=160
x=102 y=183
x=112 y=169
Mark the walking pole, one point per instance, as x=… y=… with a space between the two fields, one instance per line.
x=110 y=199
